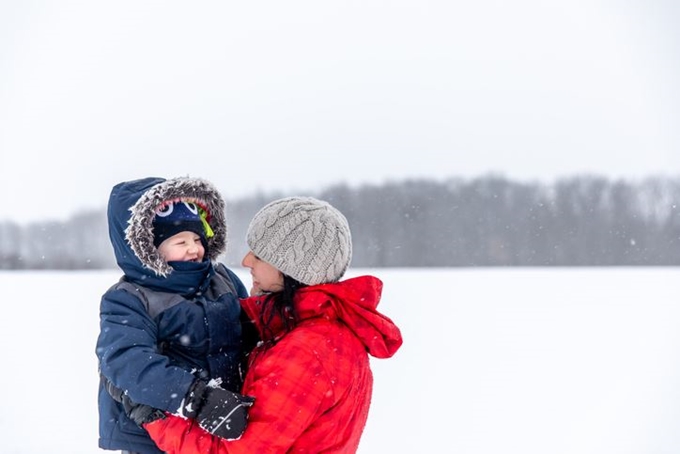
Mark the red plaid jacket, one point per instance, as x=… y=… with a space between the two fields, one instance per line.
x=312 y=388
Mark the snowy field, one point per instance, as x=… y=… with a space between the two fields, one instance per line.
x=495 y=361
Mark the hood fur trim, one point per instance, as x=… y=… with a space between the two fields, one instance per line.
x=139 y=233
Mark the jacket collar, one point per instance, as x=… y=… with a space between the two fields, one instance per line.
x=353 y=302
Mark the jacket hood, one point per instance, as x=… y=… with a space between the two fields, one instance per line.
x=132 y=208
x=354 y=302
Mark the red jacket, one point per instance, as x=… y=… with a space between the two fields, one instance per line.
x=312 y=388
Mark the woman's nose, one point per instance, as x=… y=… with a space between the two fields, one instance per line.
x=246 y=260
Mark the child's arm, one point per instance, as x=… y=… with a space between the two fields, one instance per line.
x=219 y=412
x=129 y=356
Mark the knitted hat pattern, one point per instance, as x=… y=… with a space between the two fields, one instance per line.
x=304 y=238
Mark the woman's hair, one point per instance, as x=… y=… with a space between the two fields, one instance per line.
x=279 y=306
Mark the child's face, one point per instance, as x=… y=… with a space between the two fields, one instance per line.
x=266 y=278
x=182 y=247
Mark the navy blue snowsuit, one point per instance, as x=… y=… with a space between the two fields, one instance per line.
x=164 y=324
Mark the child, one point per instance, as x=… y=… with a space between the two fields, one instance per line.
x=172 y=322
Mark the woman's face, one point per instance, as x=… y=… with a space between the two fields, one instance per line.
x=266 y=278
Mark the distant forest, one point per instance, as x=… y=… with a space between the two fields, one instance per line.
x=487 y=221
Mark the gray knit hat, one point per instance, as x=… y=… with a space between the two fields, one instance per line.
x=304 y=238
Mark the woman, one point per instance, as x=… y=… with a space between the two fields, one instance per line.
x=310 y=375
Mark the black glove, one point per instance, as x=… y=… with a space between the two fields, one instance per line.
x=139 y=413
x=218 y=411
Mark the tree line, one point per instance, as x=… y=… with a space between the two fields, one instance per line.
x=486 y=221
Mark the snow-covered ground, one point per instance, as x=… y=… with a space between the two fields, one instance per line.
x=530 y=361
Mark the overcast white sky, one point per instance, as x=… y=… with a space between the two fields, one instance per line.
x=303 y=94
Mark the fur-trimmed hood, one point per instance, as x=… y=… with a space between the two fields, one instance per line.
x=132 y=208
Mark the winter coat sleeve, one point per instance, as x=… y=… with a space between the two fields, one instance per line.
x=129 y=356
x=291 y=389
